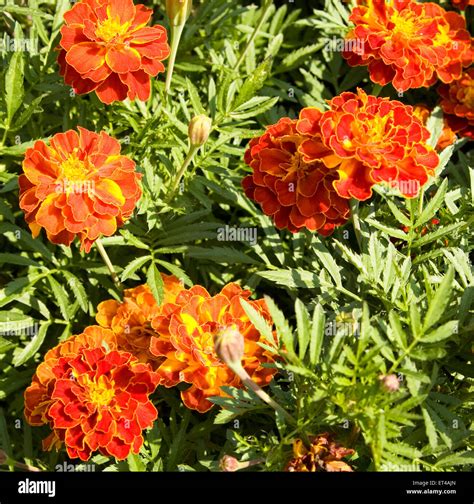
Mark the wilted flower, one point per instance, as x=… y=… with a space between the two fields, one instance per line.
x=199 y=130
x=323 y=455
x=131 y=319
x=93 y=396
x=408 y=43
x=187 y=329
x=458 y=104
x=229 y=464
x=390 y=382
x=106 y=47
x=79 y=185
x=379 y=140
x=295 y=190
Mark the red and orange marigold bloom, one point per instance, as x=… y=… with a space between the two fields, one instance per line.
x=187 y=329
x=457 y=102
x=408 y=43
x=379 y=141
x=107 y=47
x=461 y=4
x=79 y=185
x=93 y=396
x=447 y=137
x=297 y=192
x=323 y=455
x=131 y=319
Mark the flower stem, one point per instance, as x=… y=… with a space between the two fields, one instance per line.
x=176 y=32
x=266 y=6
x=376 y=89
x=356 y=222
x=189 y=158
x=108 y=263
x=238 y=369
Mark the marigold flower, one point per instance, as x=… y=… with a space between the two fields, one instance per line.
x=324 y=455
x=461 y=4
x=408 y=43
x=379 y=140
x=79 y=185
x=390 y=383
x=93 y=396
x=296 y=191
x=187 y=329
x=458 y=104
x=447 y=137
x=106 y=47
x=131 y=320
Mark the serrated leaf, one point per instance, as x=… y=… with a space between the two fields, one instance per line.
x=254 y=82
x=77 y=290
x=284 y=331
x=33 y=346
x=440 y=300
x=155 y=282
x=441 y=333
x=60 y=296
x=132 y=267
x=317 y=335
x=303 y=327
x=434 y=204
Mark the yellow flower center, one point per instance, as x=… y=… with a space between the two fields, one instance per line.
x=375 y=129
x=468 y=98
x=442 y=38
x=405 y=26
x=111 y=28
x=100 y=392
x=73 y=169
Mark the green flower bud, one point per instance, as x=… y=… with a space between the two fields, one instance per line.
x=178 y=11
x=199 y=130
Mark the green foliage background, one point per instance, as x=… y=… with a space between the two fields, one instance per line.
x=408 y=294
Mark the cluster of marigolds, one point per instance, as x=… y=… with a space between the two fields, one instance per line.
x=94 y=389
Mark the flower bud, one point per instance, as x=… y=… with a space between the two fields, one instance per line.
x=199 y=130
x=178 y=11
x=229 y=464
x=229 y=345
x=390 y=382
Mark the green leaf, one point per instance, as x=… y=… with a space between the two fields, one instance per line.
x=194 y=97
x=33 y=346
x=254 y=82
x=317 y=335
x=14 y=85
x=435 y=125
x=254 y=107
x=283 y=329
x=303 y=327
x=132 y=267
x=441 y=333
x=258 y=321
x=60 y=296
x=440 y=300
x=455 y=459
x=77 y=290
x=155 y=282
x=396 y=233
x=434 y=204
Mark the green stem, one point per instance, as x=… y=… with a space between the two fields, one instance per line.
x=376 y=89
x=176 y=32
x=250 y=384
x=108 y=263
x=356 y=221
x=4 y=137
x=266 y=6
x=189 y=158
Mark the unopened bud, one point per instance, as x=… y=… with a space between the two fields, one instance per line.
x=178 y=11
x=229 y=345
x=390 y=382
x=199 y=130
x=229 y=464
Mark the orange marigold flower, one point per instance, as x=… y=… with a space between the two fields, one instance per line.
x=93 y=396
x=408 y=43
x=447 y=137
x=187 y=329
x=379 y=140
x=324 y=455
x=458 y=104
x=295 y=191
x=79 y=185
x=131 y=320
x=461 y=4
x=106 y=47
